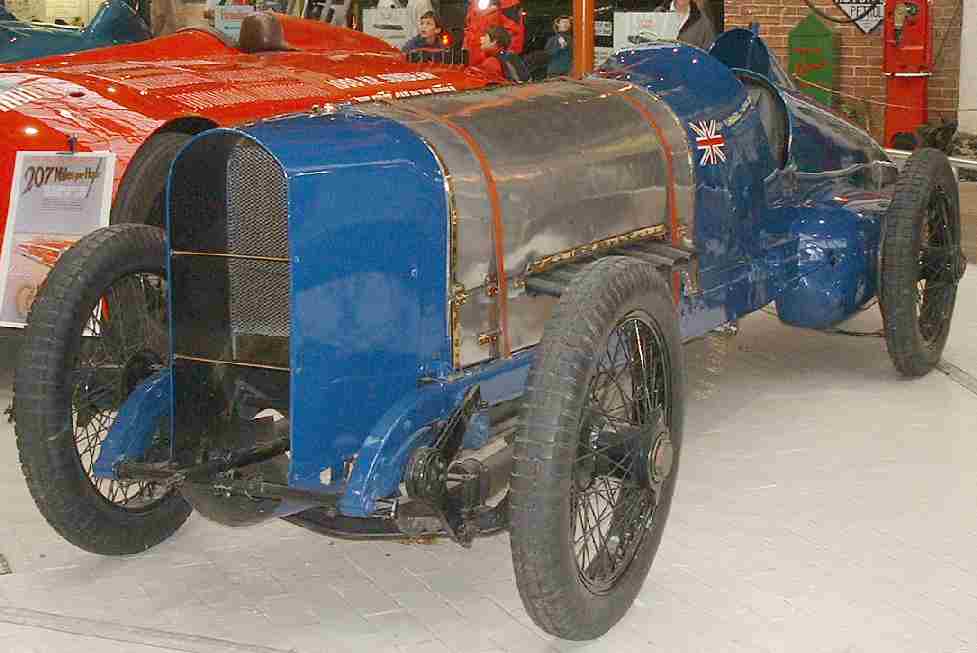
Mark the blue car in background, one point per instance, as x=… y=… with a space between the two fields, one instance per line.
x=115 y=23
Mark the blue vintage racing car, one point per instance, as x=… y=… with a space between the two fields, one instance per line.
x=115 y=23
x=462 y=313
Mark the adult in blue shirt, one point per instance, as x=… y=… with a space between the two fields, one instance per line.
x=559 y=47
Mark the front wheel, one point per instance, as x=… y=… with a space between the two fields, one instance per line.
x=595 y=461
x=921 y=262
x=96 y=330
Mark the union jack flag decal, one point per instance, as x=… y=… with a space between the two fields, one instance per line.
x=709 y=141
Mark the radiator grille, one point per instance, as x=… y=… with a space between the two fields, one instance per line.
x=230 y=285
x=257 y=225
x=257 y=203
x=230 y=263
x=259 y=297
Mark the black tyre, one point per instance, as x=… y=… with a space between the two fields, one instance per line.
x=142 y=192
x=921 y=262
x=96 y=330
x=596 y=458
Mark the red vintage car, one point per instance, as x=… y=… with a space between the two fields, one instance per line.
x=144 y=101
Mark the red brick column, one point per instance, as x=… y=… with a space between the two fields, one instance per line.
x=860 y=77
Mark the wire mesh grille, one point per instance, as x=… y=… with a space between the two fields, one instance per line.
x=259 y=297
x=257 y=203
x=257 y=225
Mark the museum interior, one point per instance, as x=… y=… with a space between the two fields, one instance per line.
x=624 y=325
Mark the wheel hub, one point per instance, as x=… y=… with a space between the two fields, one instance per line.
x=661 y=459
x=426 y=475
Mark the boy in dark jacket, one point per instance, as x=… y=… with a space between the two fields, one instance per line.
x=429 y=38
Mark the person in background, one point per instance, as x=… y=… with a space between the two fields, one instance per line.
x=166 y=17
x=697 y=27
x=429 y=37
x=483 y=14
x=559 y=47
x=417 y=8
x=497 y=59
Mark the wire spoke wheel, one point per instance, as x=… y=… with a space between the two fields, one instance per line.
x=123 y=343
x=97 y=331
x=939 y=261
x=627 y=402
x=596 y=457
x=921 y=262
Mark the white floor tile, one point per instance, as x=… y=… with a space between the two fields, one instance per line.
x=824 y=506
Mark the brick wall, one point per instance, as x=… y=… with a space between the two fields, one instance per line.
x=860 y=70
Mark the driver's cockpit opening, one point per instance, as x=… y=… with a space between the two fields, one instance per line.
x=766 y=100
x=748 y=57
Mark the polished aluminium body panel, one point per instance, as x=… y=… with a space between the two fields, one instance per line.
x=571 y=162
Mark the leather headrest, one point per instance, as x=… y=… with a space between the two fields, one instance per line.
x=261 y=32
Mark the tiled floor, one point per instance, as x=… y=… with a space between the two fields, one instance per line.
x=824 y=505
x=968 y=219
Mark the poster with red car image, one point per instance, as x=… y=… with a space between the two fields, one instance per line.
x=55 y=199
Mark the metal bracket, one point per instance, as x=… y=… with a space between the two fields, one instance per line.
x=553 y=281
x=430 y=468
x=488 y=338
x=460 y=296
x=491 y=286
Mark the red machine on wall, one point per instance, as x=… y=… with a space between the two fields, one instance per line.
x=907 y=65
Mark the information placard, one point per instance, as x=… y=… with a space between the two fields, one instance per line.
x=228 y=19
x=633 y=28
x=396 y=26
x=870 y=13
x=55 y=199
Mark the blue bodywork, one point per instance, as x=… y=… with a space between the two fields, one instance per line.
x=386 y=239
x=136 y=423
x=804 y=234
x=115 y=23
x=370 y=345
x=377 y=182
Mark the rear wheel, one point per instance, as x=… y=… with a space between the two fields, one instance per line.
x=595 y=463
x=921 y=262
x=142 y=194
x=95 y=332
